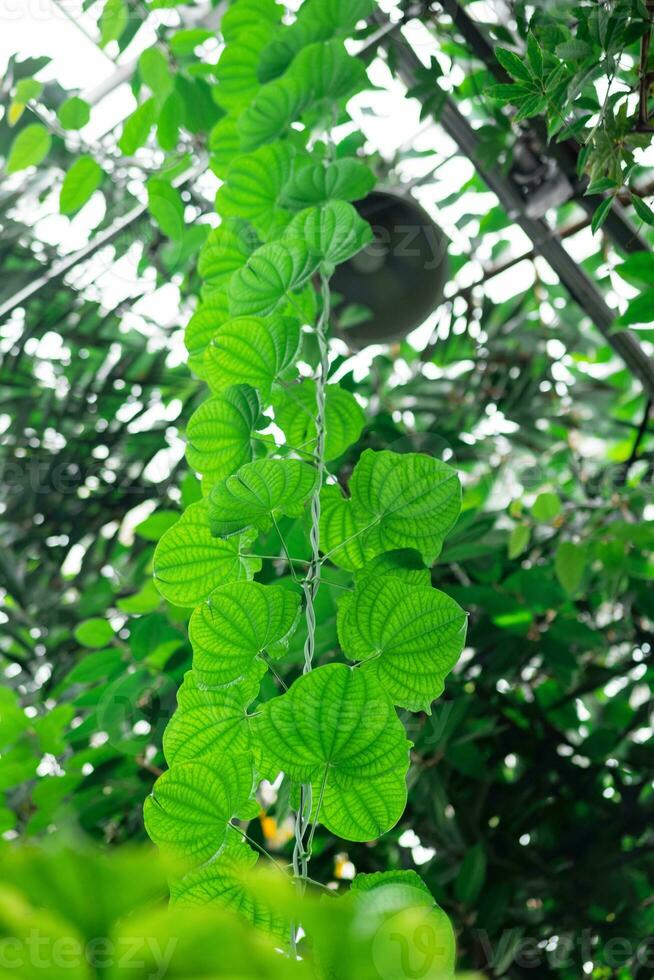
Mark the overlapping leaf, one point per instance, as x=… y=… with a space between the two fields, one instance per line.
x=189 y=563
x=227 y=249
x=317 y=20
x=320 y=75
x=203 y=326
x=239 y=622
x=257 y=493
x=272 y=272
x=220 y=433
x=328 y=72
x=409 y=637
x=236 y=72
x=192 y=804
x=239 y=19
x=224 y=145
x=342 y=180
x=332 y=232
x=250 y=350
x=337 y=729
x=295 y=413
x=210 y=722
x=253 y=186
x=397 y=501
x=224 y=881
x=270 y=112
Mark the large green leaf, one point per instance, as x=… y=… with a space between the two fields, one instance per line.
x=227 y=249
x=397 y=905
x=241 y=17
x=31 y=146
x=189 y=563
x=251 y=350
x=332 y=232
x=81 y=181
x=342 y=180
x=224 y=145
x=224 y=881
x=211 y=314
x=220 y=433
x=210 y=722
x=336 y=728
x=272 y=272
x=295 y=413
x=328 y=73
x=270 y=112
x=259 y=492
x=239 y=622
x=191 y=805
x=253 y=185
x=236 y=72
x=409 y=637
x=397 y=501
x=317 y=20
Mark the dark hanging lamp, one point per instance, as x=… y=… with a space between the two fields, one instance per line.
x=399 y=277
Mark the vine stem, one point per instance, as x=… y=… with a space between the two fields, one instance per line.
x=311 y=581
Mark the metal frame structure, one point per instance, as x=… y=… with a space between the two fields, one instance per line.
x=545 y=240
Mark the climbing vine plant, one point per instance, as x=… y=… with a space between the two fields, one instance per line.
x=266 y=442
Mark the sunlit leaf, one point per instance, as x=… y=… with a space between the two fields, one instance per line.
x=409 y=637
x=253 y=184
x=253 y=350
x=239 y=622
x=295 y=413
x=189 y=563
x=80 y=183
x=226 y=250
x=192 y=804
x=337 y=729
x=332 y=232
x=258 y=492
x=220 y=433
x=343 y=180
x=29 y=148
x=270 y=274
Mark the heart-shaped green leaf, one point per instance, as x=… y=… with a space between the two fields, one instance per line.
x=239 y=622
x=253 y=185
x=397 y=501
x=410 y=637
x=220 y=433
x=227 y=249
x=210 y=722
x=337 y=729
x=189 y=563
x=224 y=882
x=332 y=232
x=258 y=492
x=253 y=350
x=191 y=805
x=236 y=72
x=295 y=413
x=270 y=112
x=342 y=180
x=203 y=326
x=271 y=273
x=316 y=21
